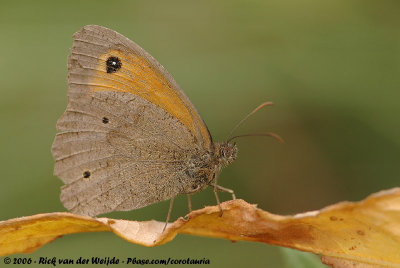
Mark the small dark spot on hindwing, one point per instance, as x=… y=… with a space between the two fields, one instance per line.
x=105 y=120
x=86 y=174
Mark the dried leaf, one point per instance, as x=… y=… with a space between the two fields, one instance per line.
x=339 y=263
x=347 y=233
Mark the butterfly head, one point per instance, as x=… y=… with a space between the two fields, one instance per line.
x=227 y=153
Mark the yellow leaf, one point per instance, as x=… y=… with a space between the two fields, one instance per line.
x=346 y=233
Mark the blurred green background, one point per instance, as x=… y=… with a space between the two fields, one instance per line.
x=331 y=67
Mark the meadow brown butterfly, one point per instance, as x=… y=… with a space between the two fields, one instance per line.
x=129 y=137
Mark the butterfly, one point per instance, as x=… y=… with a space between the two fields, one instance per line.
x=129 y=137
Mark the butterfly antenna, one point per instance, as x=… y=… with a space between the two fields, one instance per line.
x=268 y=103
x=268 y=134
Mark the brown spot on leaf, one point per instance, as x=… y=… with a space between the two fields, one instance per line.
x=360 y=232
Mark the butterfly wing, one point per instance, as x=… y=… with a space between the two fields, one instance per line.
x=128 y=129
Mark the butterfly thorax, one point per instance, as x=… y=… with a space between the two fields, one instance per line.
x=204 y=167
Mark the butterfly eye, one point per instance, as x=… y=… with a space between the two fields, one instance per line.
x=113 y=64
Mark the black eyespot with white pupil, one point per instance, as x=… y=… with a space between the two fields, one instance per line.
x=113 y=64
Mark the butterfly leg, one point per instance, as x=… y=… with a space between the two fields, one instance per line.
x=223 y=189
x=216 y=196
x=189 y=203
x=171 y=203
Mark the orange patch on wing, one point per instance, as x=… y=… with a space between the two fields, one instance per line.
x=139 y=77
